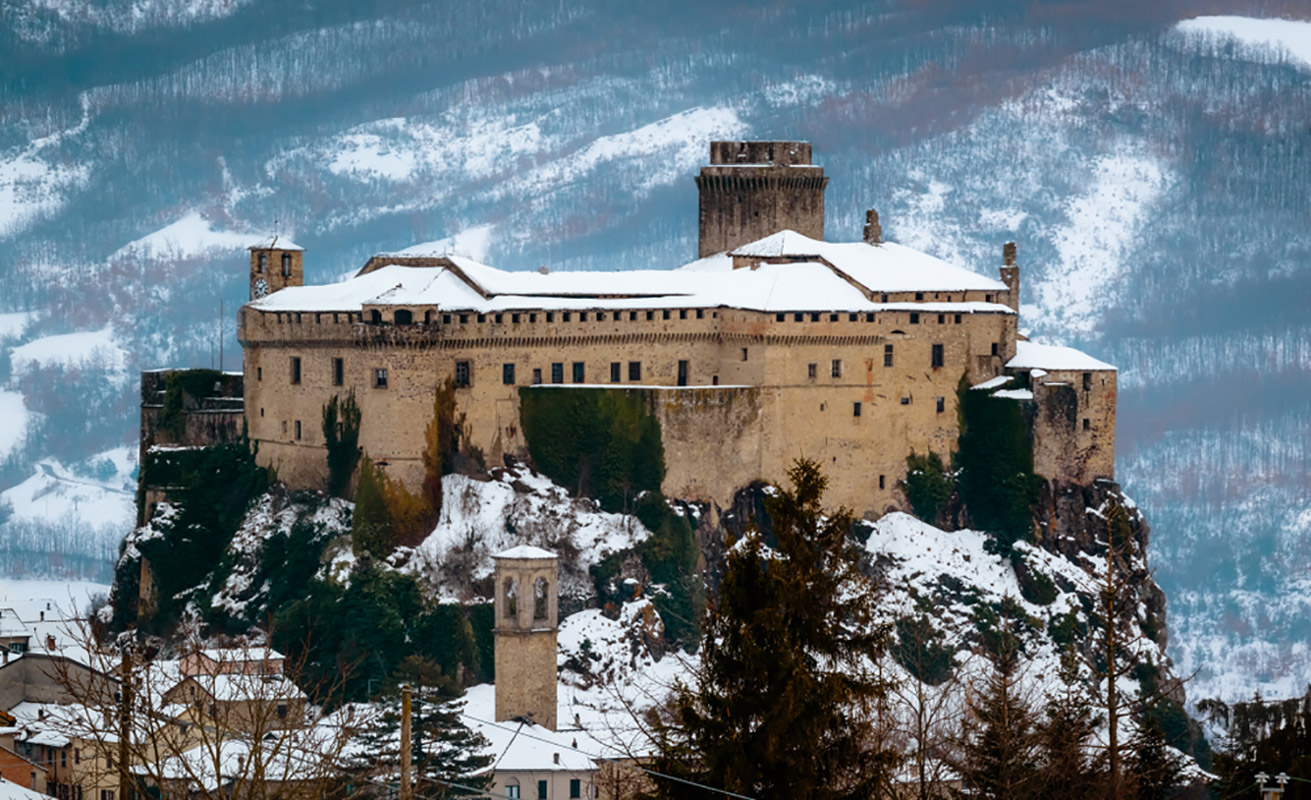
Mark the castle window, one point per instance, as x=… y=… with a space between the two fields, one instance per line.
x=919 y=296
x=582 y=316
x=1087 y=381
x=507 y=374
x=499 y=318
x=286 y=265
x=836 y=370
x=564 y=317
x=942 y=404
x=682 y=373
x=937 y=357
x=958 y=319
x=600 y=316
x=537 y=377
x=263 y=262
x=284 y=427
x=855 y=409
x=700 y=313
x=780 y=317
x=798 y=317
x=634 y=370
x=338 y=371
x=557 y=372
x=298 y=429
x=380 y=378
x=510 y=592
x=462 y=374
x=616 y=372
x=905 y=401
x=514 y=318
x=682 y=313
x=1087 y=424
x=814 y=317
x=579 y=372
x=881 y=481
x=665 y=314
x=482 y=317
x=375 y=316
x=812 y=371
x=883 y=299
x=987 y=298
x=295 y=369
x=259 y=373
x=995 y=349
x=550 y=316
x=650 y=315
x=532 y=318
x=744 y=354
x=887 y=355
x=714 y=380
x=942 y=319
x=464 y=319
x=403 y=316
x=852 y=317
x=261 y=413
x=914 y=318
x=832 y=317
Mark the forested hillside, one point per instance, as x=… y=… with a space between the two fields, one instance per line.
x=1155 y=175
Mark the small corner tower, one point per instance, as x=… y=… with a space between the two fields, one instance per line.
x=525 y=634
x=275 y=265
x=753 y=189
x=1010 y=275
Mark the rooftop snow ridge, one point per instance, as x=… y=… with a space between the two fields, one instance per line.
x=525 y=551
x=1031 y=355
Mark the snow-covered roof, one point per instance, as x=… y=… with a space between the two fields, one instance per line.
x=525 y=551
x=1030 y=355
x=274 y=243
x=823 y=283
x=240 y=655
x=13 y=791
x=232 y=687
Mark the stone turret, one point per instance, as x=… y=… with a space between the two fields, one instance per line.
x=525 y=631
x=873 y=230
x=275 y=265
x=752 y=189
x=1010 y=275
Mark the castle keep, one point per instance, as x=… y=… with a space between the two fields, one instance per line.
x=774 y=344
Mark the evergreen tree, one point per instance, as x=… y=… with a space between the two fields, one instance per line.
x=1065 y=740
x=443 y=749
x=341 y=438
x=1151 y=765
x=998 y=753
x=786 y=698
x=371 y=526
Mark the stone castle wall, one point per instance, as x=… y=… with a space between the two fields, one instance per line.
x=1074 y=431
x=790 y=411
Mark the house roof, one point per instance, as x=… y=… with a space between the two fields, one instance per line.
x=821 y=277
x=525 y=551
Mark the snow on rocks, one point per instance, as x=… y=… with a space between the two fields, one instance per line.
x=594 y=648
x=481 y=518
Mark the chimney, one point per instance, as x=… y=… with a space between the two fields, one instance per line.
x=1010 y=275
x=873 y=230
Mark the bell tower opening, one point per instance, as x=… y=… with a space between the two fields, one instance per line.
x=526 y=613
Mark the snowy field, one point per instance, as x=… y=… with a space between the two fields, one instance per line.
x=31 y=596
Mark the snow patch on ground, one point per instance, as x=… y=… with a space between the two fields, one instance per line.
x=30 y=597
x=81 y=349
x=140 y=15
x=1292 y=37
x=190 y=236
x=14 y=323
x=14 y=420
x=1096 y=241
x=54 y=494
x=32 y=187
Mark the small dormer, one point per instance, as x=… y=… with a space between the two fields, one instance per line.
x=275 y=265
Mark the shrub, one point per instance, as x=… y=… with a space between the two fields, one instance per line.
x=928 y=485
x=341 y=437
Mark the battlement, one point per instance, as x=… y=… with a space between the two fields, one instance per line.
x=758 y=153
x=753 y=189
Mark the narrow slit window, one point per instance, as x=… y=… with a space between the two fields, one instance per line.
x=937 y=357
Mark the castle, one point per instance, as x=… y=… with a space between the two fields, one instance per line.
x=773 y=344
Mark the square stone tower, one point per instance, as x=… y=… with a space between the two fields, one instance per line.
x=753 y=189
x=525 y=634
x=275 y=265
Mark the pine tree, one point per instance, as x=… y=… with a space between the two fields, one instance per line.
x=1065 y=740
x=371 y=525
x=998 y=753
x=786 y=697
x=341 y=438
x=443 y=749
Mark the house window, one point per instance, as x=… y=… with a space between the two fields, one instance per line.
x=106 y=794
x=507 y=374
x=512 y=791
x=634 y=370
x=557 y=372
x=282 y=710
x=579 y=372
x=836 y=370
x=942 y=404
x=537 y=377
x=914 y=318
x=295 y=369
x=286 y=265
x=1087 y=425
x=463 y=374
x=937 y=356
x=263 y=262
x=812 y=371
x=541 y=790
x=298 y=429
x=575 y=787
x=744 y=354
x=616 y=372
x=887 y=355
x=338 y=371
x=855 y=409
x=380 y=378
x=1087 y=381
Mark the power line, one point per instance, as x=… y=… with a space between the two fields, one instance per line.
x=617 y=762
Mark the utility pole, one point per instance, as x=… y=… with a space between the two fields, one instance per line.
x=407 y=788
x=221 y=321
x=124 y=724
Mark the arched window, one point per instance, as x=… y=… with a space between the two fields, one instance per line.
x=375 y=316
x=541 y=599
x=403 y=316
x=511 y=595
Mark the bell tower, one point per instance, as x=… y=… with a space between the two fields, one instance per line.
x=525 y=634
x=275 y=265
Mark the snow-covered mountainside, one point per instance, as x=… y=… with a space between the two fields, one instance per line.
x=1149 y=160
